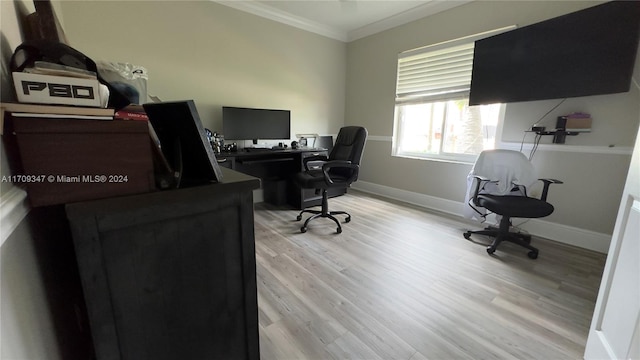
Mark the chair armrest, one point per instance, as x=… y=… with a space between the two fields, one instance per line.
x=479 y=181
x=340 y=164
x=305 y=161
x=545 y=189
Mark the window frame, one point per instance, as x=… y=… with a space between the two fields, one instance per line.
x=441 y=155
x=423 y=99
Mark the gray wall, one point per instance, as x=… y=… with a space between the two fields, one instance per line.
x=217 y=56
x=593 y=172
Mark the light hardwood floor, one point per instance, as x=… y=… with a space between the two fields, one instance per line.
x=403 y=283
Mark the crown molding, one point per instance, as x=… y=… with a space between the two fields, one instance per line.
x=271 y=13
x=416 y=13
x=286 y=18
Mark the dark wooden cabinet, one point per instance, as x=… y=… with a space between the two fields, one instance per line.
x=171 y=275
x=70 y=160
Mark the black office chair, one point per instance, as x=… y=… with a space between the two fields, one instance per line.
x=339 y=170
x=508 y=200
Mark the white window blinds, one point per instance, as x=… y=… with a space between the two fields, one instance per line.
x=438 y=72
x=435 y=75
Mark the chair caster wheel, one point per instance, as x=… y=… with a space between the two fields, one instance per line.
x=532 y=254
x=303 y=229
x=299 y=218
x=467 y=235
x=339 y=230
x=347 y=219
x=490 y=250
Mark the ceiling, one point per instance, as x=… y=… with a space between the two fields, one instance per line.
x=344 y=20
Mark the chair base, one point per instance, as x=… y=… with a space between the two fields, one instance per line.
x=503 y=234
x=324 y=213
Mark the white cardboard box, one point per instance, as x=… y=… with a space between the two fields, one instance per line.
x=48 y=89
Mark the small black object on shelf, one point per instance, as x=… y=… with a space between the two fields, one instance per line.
x=559 y=134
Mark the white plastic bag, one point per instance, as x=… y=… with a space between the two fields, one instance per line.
x=130 y=80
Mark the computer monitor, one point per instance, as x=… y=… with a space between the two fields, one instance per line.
x=252 y=124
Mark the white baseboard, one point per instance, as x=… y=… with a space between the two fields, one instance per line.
x=570 y=235
x=426 y=201
x=13 y=209
x=561 y=233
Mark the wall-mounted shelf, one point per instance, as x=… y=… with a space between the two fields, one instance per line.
x=559 y=135
x=576 y=121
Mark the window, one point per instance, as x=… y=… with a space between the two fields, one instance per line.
x=447 y=129
x=432 y=117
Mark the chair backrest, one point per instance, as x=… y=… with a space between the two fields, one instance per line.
x=349 y=146
x=505 y=166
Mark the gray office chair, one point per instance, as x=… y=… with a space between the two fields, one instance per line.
x=500 y=180
x=339 y=170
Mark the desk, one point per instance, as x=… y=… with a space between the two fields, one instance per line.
x=276 y=168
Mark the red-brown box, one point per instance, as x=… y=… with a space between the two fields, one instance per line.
x=70 y=160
